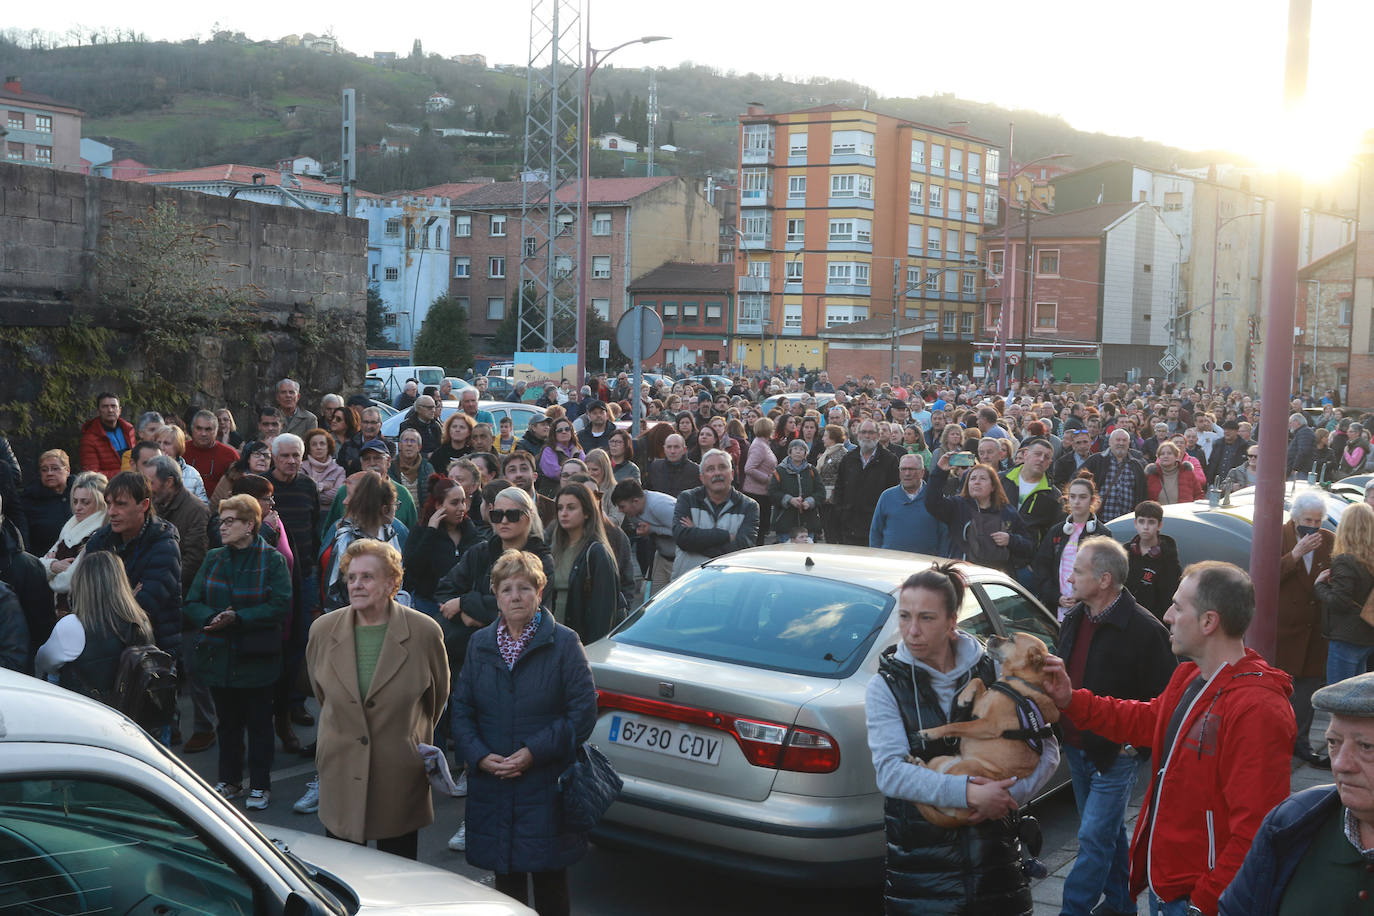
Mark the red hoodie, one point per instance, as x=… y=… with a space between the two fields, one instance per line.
x=1228 y=768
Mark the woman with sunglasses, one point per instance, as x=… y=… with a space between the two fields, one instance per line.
x=562 y=446
x=1247 y=475
x=345 y=425
x=465 y=595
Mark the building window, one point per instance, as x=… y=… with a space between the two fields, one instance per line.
x=15 y=120
x=713 y=313
x=851 y=143
x=601 y=267
x=1046 y=315
x=848 y=273
x=971 y=246
x=792 y=316
x=758 y=138
x=838 y=314
x=751 y=309
x=462 y=227
x=565 y=223
x=372 y=272
x=947 y=322
x=1047 y=262
x=913 y=277
x=913 y=237
x=393 y=273
x=975 y=164
x=965 y=322
x=496 y=228
x=496 y=268
x=861 y=274
x=753 y=186
x=389 y=319
x=462 y=302
x=994 y=163
x=794 y=271
x=531 y=247
x=796 y=186
x=951 y=244
x=933 y=238
x=851 y=186
x=796 y=144
x=932 y=281
x=669 y=313
x=42 y=123
x=956 y=201
x=393 y=228
x=918 y=193
x=995 y=263
x=602 y=307
x=851 y=230
x=971 y=205
x=1173 y=200
x=937 y=197
x=462 y=268
x=496 y=308
x=969 y=284
x=956 y=160
x=755 y=228
x=989 y=206
x=796 y=230
x=562 y=266
x=691 y=313
x=1347 y=311
x=601 y=224
x=918 y=152
x=759 y=268
x=993 y=318
x=937 y=156
x=14 y=150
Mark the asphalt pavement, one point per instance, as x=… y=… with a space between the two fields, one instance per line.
x=619 y=883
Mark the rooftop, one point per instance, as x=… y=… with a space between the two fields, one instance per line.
x=13 y=91
x=600 y=191
x=1089 y=222
x=242 y=176
x=906 y=122
x=680 y=276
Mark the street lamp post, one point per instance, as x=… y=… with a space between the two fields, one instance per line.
x=1316 y=312
x=594 y=59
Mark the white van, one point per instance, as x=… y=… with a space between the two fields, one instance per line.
x=384 y=384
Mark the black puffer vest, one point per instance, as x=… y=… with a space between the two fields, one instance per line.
x=933 y=870
x=92 y=673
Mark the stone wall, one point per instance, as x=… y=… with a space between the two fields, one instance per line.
x=308 y=271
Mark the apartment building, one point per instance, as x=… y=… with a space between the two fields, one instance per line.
x=846 y=214
x=38 y=129
x=636 y=225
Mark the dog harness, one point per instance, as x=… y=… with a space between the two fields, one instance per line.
x=1034 y=729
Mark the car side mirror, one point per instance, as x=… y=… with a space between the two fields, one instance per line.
x=297 y=905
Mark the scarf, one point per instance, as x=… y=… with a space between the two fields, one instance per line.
x=512 y=648
x=409 y=470
x=1168 y=485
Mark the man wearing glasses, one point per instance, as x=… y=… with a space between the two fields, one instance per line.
x=1247 y=475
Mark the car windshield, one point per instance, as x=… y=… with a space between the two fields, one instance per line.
x=764 y=619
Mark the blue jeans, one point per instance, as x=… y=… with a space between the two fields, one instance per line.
x=1346 y=659
x=1103 y=864
x=1159 y=907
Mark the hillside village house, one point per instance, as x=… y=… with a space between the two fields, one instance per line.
x=38 y=129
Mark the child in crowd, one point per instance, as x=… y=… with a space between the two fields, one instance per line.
x=505 y=443
x=1155 y=569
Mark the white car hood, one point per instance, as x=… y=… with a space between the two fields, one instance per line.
x=387 y=884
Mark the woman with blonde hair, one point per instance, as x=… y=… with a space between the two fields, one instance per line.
x=599 y=470
x=585 y=575
x=172 y=441
x=84 y=648
x=380 y=674
x=88 y=515
x=1343 y=590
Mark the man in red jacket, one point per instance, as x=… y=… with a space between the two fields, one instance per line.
x=1222 y=733
x=105 y=437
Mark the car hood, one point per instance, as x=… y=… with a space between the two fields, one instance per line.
x=387 y=884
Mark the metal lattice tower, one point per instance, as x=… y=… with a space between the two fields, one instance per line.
x=547 y=307
x=653 y=118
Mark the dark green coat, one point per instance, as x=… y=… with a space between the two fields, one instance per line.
x=255 y=582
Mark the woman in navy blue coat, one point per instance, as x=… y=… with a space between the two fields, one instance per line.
x=525 y=700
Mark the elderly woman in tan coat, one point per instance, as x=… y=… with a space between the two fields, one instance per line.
x=1301 y=649
x=381 y=676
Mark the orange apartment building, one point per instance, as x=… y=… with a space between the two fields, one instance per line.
x=841 y=210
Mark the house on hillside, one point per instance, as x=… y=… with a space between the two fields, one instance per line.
x=301 y=165
x=384 y=58
x=320 y=44
x=393 y=147
x=40 y=130
x=438 y=102
x=617 y=143
x=471 y=60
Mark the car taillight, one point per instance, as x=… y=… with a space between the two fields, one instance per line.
x=763 y=743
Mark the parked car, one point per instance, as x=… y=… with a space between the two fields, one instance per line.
x=386 y=383
x=711 y=381
x=792 y=397
x=732 y=705
x=520 y=415
x=96 y=817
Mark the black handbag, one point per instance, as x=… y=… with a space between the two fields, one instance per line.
x=587 y=788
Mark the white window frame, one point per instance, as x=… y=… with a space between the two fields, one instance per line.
x=1040 y=253
x=1054 y=317
x=392 y=229
x=755 y=225
x=795 y=270
x=563 y=266
x=496 y=226
x=691 y=313
x=462 y=227
x=794 y=148
x=841 y=230
x=949 y=322
x=956 y=201
x=601 y=224
x=862 y=273
x=936 y=194
x=918 y=152
x=975 y=164
x=496 y=267
x=851 y=143
x=966 y=322
x=500 y=308
x=392 y=274
x=996 y=261
x=840 y=272
x=913 y=276
x=994 y=164
x=933 y=238
x=566 y=222
x=791 y=316
x=531 y=246
x=462 y=268
x=601 y=267
x=42 y=123
x=838 y=314
x=714 y=311
x=918 y=193
x=968 y=283
x=761 y=268
x=602 y=307
x=937 y=155
x=796 y=229
x=758 y=137
x=12 y=122
x=796 y=186
x=956 y=160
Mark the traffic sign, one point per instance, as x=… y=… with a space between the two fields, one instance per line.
x=605 y=349
x=1013 y=358
x=650 y=333
x=1169 y=363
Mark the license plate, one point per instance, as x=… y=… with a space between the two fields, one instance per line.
x=680 y=742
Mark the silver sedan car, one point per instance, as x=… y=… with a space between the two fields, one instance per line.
x=732 y=705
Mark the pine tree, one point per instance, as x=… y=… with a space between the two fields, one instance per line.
x=417 y=52
x=670 y=141
x=443 y=339
x=377 y=336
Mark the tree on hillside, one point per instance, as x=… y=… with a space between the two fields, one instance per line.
x=377 y=336
x=443 y=339
x=671 y=141
x=417 y=53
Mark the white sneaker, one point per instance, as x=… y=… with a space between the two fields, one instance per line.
x=258 y=799
x=462 y=785
x=308 y=803
x=228 y=791
x=459 y=841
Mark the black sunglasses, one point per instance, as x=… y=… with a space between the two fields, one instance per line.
x=505 y=515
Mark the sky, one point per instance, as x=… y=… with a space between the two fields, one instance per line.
x=1199 y=74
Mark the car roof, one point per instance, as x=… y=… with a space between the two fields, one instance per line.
x=34 y=710
x=884 y=570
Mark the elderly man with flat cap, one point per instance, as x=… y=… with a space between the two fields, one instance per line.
x=1314 y=853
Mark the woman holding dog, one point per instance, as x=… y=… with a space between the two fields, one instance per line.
x=932 y=870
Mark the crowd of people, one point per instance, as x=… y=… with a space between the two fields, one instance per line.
x=438 y=588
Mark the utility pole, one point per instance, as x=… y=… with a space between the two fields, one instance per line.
x=348 y=165
x=1008 y=275
x=653 y=116
x=896 y=304
x=1026 y=303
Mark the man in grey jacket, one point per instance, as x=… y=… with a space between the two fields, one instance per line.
x=650 y=514
x=713 y=519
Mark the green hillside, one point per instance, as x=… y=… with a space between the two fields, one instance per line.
x=187 y=104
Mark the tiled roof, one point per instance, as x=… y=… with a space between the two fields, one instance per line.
x=37 y=98
x=1088 y=222
x=242 y=175
x=600 y=191
x=452 y=189
x=675 y=276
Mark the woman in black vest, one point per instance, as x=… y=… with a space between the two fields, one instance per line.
x=977 y=869
x=85 y=645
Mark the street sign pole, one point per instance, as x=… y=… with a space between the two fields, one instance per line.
x=639 y=333
x=636 y=391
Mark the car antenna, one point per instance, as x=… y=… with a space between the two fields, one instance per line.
x=810 y=562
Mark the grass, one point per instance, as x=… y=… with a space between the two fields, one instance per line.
x=228 y=118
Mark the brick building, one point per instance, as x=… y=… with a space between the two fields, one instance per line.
x=1325 y=309
x=636 y=225
x=697 y=305
x=40 y=130
x=1103 y=274
x=865 y=348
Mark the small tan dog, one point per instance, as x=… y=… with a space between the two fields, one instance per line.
x=984 y=749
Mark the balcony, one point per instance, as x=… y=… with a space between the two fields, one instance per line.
x=848 y=245
x=755 y=198
x=757 y=239
x=756 y=156
x=853 y=203
x=748 y=284
x=749 y=326
x=852 y=158
x=848 y=289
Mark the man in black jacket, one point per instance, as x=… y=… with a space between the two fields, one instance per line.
x=1114 y=647
x=865 y=472
x=1072 y=461
x=1227 y=452
x=1302 y=443
x=674 y=472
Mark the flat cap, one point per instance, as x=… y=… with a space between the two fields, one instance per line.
x=1353 y=696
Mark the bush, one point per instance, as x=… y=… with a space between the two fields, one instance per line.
x=443 y=339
